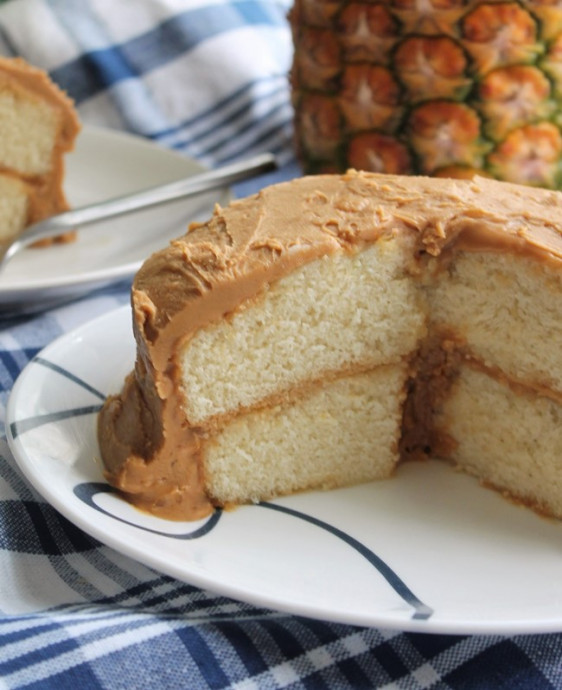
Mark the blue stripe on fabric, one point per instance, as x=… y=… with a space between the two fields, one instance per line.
x=14 y=636
x=276 y=144
x=284 y=638
x=81 y=676
x=241 y=114
x=36 y=528
x=76 y=615
x=217 y=141
x=247 y=122
x=352 y=671
x=247 y=648
x=107 y=64
x=272 y=133
x=248 y=94
x=323 y=632
x=316 y=681
x=122 y=623
x=46 y=540
x=490 y=663
x=145 y=592
x=110 y=66
x=15 y=481
x=228 y=110
x=202 y=655
x=96 y=70
x=10 y=367
x=273 y=130
x=82 y=22
x=196 y=602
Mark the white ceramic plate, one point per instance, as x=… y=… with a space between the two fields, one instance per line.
x=428 y=551
x=104 y=165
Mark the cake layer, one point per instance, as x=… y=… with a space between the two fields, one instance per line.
x=30 y=127
x=510 y=439
x=14 y=204
x=38 y=120
x=339 y=433
x=348 y=311
x=507 y=310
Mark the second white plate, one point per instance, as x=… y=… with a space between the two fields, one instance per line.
x=428 y=551
x=104 y=165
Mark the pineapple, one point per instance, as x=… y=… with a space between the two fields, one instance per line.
x=434 y=87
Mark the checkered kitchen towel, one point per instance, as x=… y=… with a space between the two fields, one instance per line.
x=208 y=79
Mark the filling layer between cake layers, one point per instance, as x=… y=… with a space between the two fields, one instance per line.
x=305 y=387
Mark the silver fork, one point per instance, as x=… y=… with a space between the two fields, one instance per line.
x=93 y=213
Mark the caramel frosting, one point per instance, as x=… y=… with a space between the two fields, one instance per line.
x=150 y=451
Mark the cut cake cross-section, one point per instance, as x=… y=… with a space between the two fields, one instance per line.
x=318 y=333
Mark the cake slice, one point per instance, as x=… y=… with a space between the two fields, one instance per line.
x=14 y=206
x=316 y=334
x=39 y=125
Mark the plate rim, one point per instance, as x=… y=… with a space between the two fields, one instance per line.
x=380 y=620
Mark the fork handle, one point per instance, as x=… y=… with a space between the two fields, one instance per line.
x=188 y=187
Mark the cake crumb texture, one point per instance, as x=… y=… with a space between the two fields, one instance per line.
x=511 y=441
x=341 y=433
x=341 y=313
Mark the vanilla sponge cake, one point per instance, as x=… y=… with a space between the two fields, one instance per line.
x=322 y=331
x=39 y=125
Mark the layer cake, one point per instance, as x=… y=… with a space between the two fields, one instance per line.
x=320 y=332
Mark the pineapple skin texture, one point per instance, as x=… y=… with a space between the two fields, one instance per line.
x=446 y=88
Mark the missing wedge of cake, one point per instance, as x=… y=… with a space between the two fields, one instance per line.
x=39 y=126
x=320 y=332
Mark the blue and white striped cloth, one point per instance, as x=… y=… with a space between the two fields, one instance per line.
x=206 y=78
x=210 y=80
